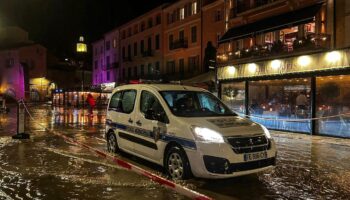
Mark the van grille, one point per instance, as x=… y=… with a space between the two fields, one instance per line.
x=249 y=144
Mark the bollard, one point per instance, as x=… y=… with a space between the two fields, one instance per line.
x=20 y=123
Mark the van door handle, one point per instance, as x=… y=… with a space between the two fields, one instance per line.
x=130 y=121
x=139 y=123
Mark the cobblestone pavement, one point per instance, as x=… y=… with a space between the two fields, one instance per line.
x=46 y=167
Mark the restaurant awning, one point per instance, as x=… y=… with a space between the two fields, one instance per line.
x=294 y=18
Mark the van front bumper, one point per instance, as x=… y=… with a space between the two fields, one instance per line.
x=217 y=161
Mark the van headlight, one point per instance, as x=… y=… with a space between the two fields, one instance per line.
x=206 y=135
x=267 y=132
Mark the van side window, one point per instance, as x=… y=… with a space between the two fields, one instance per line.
x=115 y=102
x=123 y=101
x=150 y=102
x=128 y=101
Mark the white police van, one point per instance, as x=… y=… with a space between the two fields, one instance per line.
x=186 y=130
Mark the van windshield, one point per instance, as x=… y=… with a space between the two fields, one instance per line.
x=195 y=104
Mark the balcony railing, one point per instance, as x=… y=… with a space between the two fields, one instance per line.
x=313 y=43
x=179 y=44
x=148 y=53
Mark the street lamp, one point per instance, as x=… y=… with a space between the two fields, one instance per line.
x=81 y=50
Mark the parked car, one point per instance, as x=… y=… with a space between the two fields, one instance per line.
x=187 y=130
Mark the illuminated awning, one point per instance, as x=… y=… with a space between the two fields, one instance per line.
x=294 y=18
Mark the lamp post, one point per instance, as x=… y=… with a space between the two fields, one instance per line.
x=81 y=52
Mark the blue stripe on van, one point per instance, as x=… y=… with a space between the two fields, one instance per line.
x=186 y=143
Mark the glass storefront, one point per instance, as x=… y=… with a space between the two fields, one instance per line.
x=282 y=103
x=333 y=100
x=233 y=95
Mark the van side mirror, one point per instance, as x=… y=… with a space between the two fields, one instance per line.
x=159 y=116
x=150 y=114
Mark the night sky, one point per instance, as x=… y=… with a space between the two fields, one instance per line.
x=57 y=23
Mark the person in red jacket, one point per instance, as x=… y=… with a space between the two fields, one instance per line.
x=91 y=102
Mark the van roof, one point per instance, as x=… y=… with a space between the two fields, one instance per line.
x=159 y=87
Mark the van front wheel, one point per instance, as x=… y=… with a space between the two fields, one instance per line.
x=112 y=145
x=177 y=165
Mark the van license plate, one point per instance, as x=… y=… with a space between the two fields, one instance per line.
x=255 y=156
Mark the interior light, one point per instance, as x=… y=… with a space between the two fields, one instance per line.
x=333 y=56
x=304 y=61
x=252 y=67
x=231 y=70
x=275 y=64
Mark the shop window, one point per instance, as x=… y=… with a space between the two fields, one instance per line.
x=233 y=95
x=280 y=100
x=333 y=99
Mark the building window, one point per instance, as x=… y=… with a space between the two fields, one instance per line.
x=157 y=41
x=182 y=67
x=129 y=72
x=101 y=63
x=182 y=35
x=149 y=70
x=171 y=41
x=193 y=64
x=142 y=46
x=129 y=51
x=108 y=76
x=108 y=62
x=218 y=36
x=136 y=29
x=150 y=23
x=135 y=71
x=158 y=20
x=123 y=73
x=123 y=52
x=108 y=45
x=114 y=43
x=135 y=49
x=281 y=99
x=194 y=34
x=101 y=49
x=233 y=95
x=170 y=67
x=218 y=15
x=142 y=70
x=194 y=8
x=96 y=51
x=182 y=13
x=333 y=98
x=149 y=46
x=157 y=67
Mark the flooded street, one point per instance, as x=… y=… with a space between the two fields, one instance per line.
x=47 y=167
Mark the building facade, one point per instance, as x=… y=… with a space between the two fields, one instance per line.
x=168 y=42
x=142 y=46
x=23 y=66
x=284 y=62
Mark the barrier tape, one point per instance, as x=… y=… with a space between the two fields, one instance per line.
x=294 y=120
x=128 y=166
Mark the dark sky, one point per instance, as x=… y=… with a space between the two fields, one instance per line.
x=57 y=23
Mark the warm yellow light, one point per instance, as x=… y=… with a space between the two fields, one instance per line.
x=81 y=48
x=333 y=56
x=252 y=67
x=231 y=70
x=276 y=64
x=304 y=61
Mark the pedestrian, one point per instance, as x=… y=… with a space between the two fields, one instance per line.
x=91 y=103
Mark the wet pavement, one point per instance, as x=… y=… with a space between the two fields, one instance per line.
x=47 y=167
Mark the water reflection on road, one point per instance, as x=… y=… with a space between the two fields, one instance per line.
x=46 y=167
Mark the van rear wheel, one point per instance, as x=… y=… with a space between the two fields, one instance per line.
x=177 y=165
x=112 y=145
